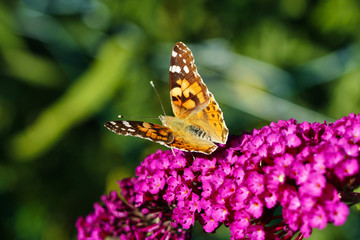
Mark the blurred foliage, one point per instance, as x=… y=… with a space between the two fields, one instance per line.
x=67 y=66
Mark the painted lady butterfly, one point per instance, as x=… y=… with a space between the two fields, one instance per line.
x=198 y=121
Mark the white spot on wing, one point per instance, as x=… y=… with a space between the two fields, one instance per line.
x=174 y=54
x=126 y=124
x=186 y=69
x=172 y=68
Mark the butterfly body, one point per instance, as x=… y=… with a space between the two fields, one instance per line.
x=198 y=122
x=186 y=134
x=181 y=127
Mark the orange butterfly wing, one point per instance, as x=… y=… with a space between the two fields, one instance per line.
x=188 y=92
x=212 y=121
x=153 y=132
x=190 y=97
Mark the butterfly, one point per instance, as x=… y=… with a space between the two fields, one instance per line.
x=198 y=122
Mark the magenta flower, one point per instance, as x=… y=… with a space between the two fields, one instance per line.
x=119 y=218
x=309 y=171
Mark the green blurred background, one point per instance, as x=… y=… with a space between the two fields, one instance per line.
x=67 y=66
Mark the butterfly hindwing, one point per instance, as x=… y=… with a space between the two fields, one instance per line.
x=200 y=146
x=188 y=93
x=212 y=121
x=150 y=131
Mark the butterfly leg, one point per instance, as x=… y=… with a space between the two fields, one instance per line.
x=173 y=152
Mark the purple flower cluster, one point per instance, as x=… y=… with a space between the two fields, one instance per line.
x=120 y=219
x=307 y=172
x=304 y=168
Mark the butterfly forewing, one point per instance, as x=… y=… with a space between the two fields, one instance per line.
x=150 y=131
x=188 y=93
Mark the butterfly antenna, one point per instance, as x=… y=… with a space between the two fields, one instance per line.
x=135 y=118
x=157 y=94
